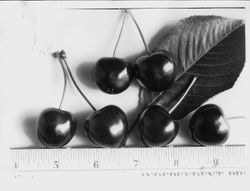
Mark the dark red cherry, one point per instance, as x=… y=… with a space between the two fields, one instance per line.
x=155 y=71
x=55 y=127
x=112 y=75
x=107 y=127
x=157 y=126
x=209 y=126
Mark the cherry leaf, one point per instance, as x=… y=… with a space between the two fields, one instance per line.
x=209 y=47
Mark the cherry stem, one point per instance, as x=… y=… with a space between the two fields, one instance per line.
x=64 y=86
x=236 y=117
x=184 y=95
x=153 y=102
x=62 y=57
x=142 y=37
x=120 y=34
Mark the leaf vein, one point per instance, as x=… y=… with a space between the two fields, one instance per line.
x=214 y=75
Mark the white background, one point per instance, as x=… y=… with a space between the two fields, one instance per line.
x=31 y=80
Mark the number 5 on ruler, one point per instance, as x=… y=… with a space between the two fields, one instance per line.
x=56 y=164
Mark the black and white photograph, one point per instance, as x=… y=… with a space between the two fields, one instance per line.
x=121 y=95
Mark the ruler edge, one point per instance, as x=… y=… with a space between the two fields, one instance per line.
x=136 y=149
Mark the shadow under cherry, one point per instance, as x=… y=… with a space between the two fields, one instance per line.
x=184 y=132
x=84 y=73
x=82 y=139
x=29 y=127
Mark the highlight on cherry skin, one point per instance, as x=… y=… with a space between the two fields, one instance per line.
x=113 y=75
x=208 y=125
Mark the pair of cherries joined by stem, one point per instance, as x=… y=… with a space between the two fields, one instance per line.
x=154 y=71
x=106 y=127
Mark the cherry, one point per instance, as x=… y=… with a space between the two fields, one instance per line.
x=105 y=127
x=56 y=127
x=209 y=126
x=154 y=71
x=113 y=75
x=156 y=125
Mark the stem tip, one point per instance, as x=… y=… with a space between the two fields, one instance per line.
x=60 y=54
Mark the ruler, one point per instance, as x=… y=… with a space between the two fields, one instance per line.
x=230 y=158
